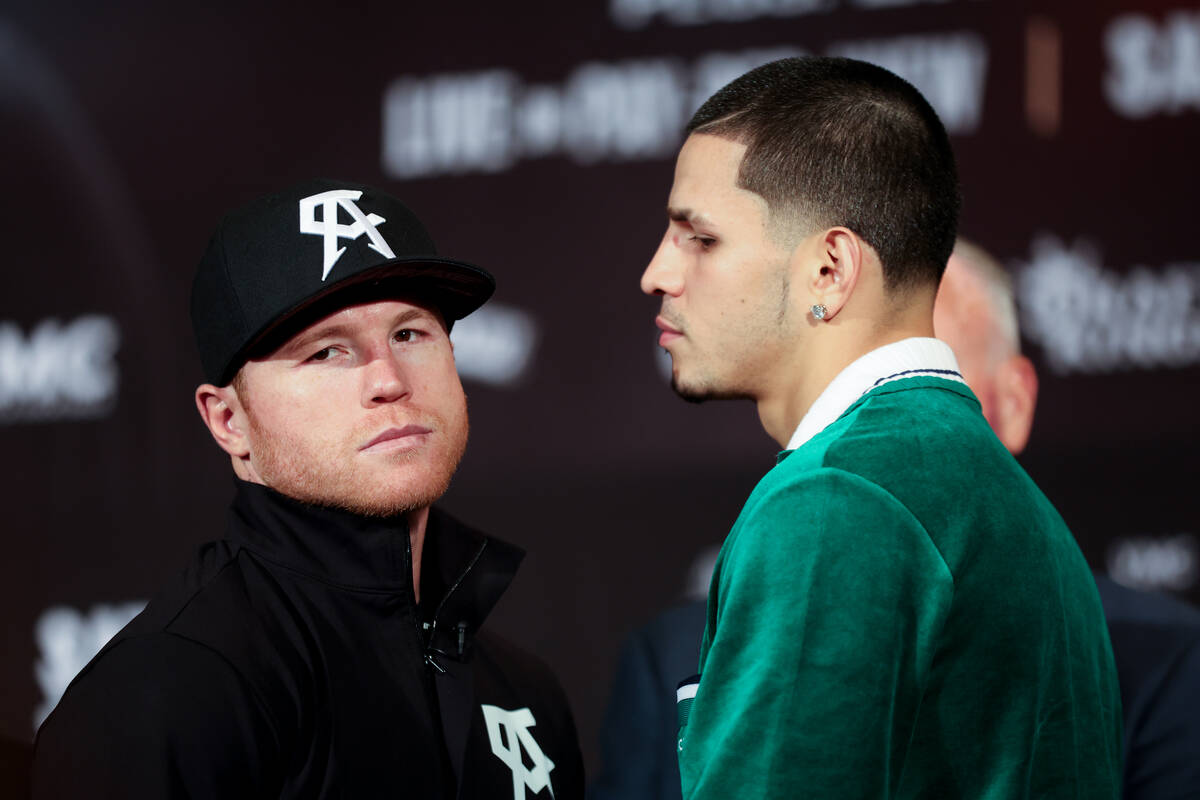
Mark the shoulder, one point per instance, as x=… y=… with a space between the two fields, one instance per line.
x=217 y=626
x=801 y=499
x=157 y=716
x=684 y=621
x=146 y=713
x=1125 y=605
x=823 y=527
x=1152 y=636
x=665 y=649
x=154 y=679
x=921 y=425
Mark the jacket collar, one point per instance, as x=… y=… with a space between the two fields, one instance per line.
x=463 y=572
x=463 y=575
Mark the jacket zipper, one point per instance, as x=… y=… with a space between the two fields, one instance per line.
x=431 y=628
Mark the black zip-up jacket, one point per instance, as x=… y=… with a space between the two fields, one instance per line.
x=290 y=660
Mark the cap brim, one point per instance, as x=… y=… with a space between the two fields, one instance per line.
x=455 y=288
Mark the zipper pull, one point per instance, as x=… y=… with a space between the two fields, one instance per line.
x=462 y=638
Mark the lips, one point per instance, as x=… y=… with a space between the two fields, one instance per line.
x=401 y=436
x=666 y=327
x=669 y=332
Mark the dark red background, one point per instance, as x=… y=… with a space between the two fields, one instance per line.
x=130 y=127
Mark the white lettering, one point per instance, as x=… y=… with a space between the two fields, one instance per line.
x=624 y=111
x=67 y=640
x=60 y=371
x=494 y=345
x=1152 y=68
x=1089 y=319
x=639 y=13
x=892 y=3
x=448 y=124
x=1146 y=563
x=629 y=110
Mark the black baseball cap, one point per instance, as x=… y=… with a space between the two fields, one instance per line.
x=285 y=260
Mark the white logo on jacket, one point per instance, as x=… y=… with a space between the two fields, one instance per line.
x=332 y=230
x=507 y=747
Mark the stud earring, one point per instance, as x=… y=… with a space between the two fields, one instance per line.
x=819 y=311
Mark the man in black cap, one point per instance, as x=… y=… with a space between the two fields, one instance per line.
x=329 y=646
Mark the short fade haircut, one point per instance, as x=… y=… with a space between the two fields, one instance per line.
x=834 y=141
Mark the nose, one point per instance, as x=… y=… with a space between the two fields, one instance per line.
x=664 y=275
x=384 y=381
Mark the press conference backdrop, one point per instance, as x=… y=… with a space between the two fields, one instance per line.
x=537 y=139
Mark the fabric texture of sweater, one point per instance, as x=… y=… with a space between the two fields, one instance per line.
x=899 y=612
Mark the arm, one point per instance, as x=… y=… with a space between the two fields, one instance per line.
x=157 y=716
x=830 y=599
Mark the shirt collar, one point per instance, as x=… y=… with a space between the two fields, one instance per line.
x=907 y=358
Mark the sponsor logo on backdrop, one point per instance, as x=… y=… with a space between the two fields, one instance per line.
x=1171 y=563
x=59 y=370
x=1153 y=67
x=484 y=122
x=508 y=732
x=67 y=640
x=495 y=344
x=638 y=13
x=332 y=230
x=1092 y=319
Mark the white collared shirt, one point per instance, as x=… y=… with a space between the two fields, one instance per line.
x=907 y=358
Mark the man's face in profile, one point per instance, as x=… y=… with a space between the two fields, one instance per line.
x=362 y=410
x=722 y=278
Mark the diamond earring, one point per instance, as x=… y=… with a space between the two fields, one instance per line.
x=819 y=311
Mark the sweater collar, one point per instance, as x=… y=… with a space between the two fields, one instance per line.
x=463 y=572
x=907 y=358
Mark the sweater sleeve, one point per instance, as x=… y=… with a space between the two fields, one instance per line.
x=830 y=600
x=157 y=716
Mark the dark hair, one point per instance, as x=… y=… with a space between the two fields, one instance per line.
x=842 y=142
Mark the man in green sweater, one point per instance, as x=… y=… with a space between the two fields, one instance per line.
x=898 y=610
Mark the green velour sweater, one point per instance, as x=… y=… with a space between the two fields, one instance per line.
x=899 y=612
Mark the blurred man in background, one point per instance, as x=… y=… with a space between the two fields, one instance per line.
x=1156 y=640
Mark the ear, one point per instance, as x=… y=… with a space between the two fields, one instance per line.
x=832 y=268
x=222 y=412
x=1016 y=398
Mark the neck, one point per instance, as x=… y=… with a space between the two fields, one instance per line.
x=416 y=537
x=830 y=349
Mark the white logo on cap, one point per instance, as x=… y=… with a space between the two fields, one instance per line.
x=332 y=230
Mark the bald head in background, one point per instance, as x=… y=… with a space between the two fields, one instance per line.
x=975 y=314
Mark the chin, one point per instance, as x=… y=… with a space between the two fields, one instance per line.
x=689 y=393
x=699 y=392
x=385 y=501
